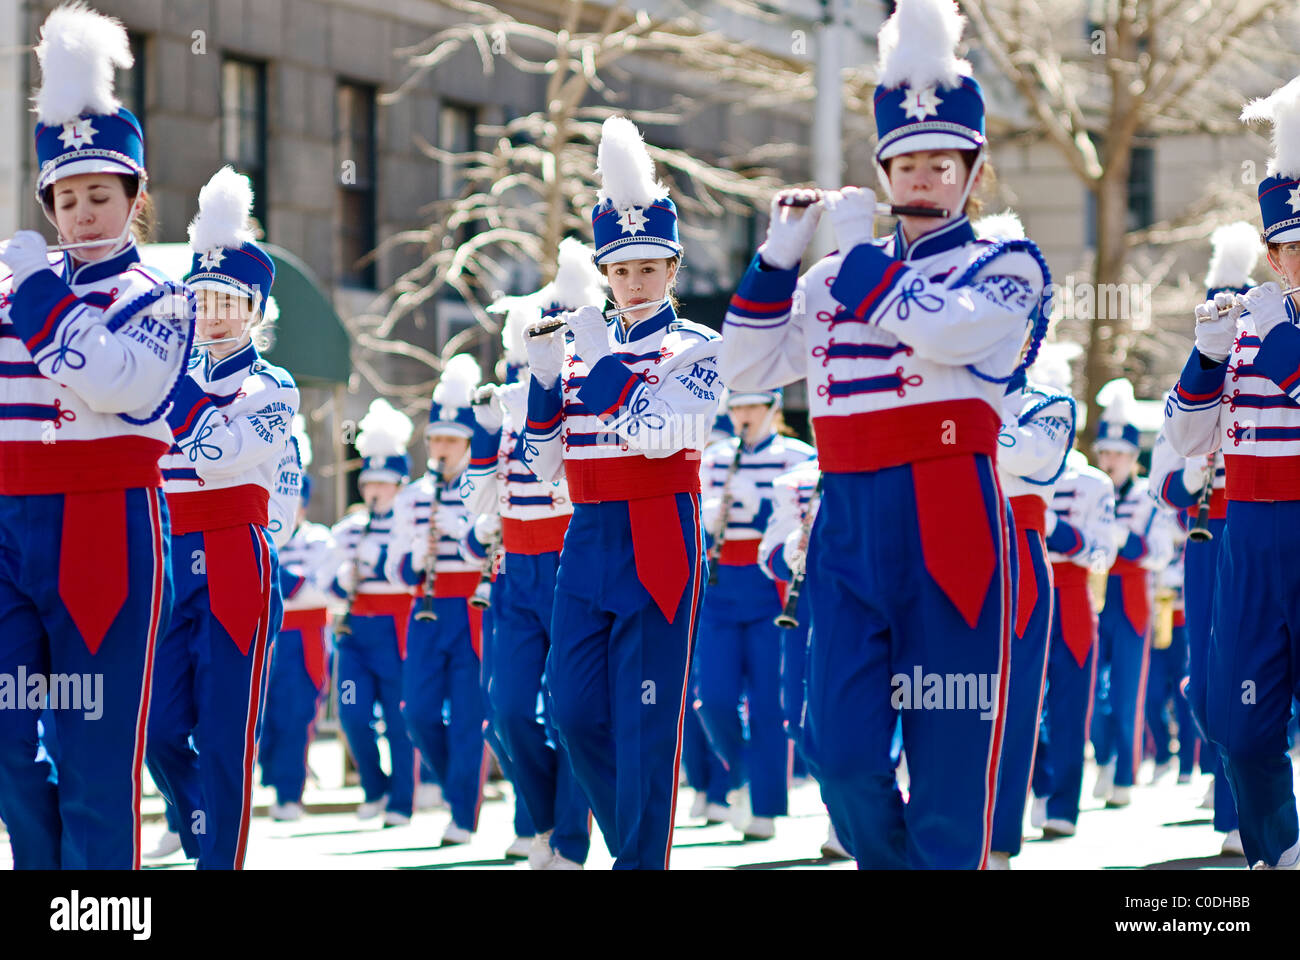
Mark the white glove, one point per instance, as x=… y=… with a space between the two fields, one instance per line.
x=789 y=229
x=1194 y=473
x=451 y=522
x=1267 y=305
x=794 y=554
x=487 y=528
x=853 y=214
x=25 y=255
x=489 y=415
x=1215 y=334
x=346 y=578
x=1049 y=523
x=590 y=333
x=419 y=554
x=744 y=495
x=368 y=556
x=545 y=354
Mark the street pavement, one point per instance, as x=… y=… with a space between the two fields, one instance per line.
x=1163 y=828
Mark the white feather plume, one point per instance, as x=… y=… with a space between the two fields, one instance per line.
x=918 y=46
x=519 y=313
x=627 y=174
x=225 y=204
x=79 y=50
x=577 y=282
x=1052 y=367
x=1282 y=109
x=1235 y=249
x=304 y=441
x=460 y=378
x=1117 y=401
x=384 y=431
x=1000 y=226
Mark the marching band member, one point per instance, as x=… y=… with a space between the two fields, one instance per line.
x=626 y=427
x=1036 y=436
x=909 y=340
x=739 y=649
x=300 y=662
x=93 y=345
x=1251 y=667
x=370 y=638
x=231 y=418
x=1144 y=541
x=442 y=652
x=534 y=517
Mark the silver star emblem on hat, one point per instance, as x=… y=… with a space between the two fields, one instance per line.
x=211 y=259
x=1294 y=200
x=78 y=133
x=632 y=221
x=919 y=104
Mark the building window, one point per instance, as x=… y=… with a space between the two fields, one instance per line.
x=456 y=123
x=243 y=125
x=130 y=84
x=1141 y=191
x=354 y=147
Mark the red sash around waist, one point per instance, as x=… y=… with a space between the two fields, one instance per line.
x=888 y=438
x=1078 y=621
x=739 y=553
x=395 y=605
x=79 y=466
x=533 y=537
x=461 y=583
x=214 y=509
x=1262 y=478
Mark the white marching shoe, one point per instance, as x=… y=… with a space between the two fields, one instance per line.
x=559 y=861
x=168 y=844
x=832 y=849
x=700 y=805
x=1207 y=802
x=456 y=835
x=428 y=796
x=998 y=861
x=716 y=813
x=1055 y=827
x=1105 y=781
x=539 y=851
x=760 y=828
x=1232 y=844
x=286 y=812
x=1161 y=770
x=372 y=808
x=740 y=811
x=521 y=848
x=1120 y=797
x=1038 y=813
x=394 y=819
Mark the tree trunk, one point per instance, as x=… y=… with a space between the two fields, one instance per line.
x=1108 y=326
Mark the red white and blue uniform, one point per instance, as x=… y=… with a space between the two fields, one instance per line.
x=1036 y=436
x=1080 y=537
x=231 y=420
x=441 y=664
x=534 y=517
x=739 y=652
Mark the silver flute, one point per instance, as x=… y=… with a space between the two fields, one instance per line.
x=558 y=324
x=1288 y=292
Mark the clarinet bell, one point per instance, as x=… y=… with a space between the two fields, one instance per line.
x=785 y=621
x=1200 y=535
x=482 y=598
x=343 y=627
x=426 y=611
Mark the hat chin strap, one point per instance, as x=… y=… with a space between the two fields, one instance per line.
x=119 y=244
x=882 y=178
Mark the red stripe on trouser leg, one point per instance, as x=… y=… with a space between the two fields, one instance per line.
x=93 y=564
x=1027 y=593
x=1139 y=724
x=1004 y=662
x=950 y=509
x=686 y=680
x=661 y=562
x=234 y=579
x=146 y=687
x=255 y=687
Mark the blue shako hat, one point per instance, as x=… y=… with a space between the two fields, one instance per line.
x=450 y=414
x=926 y=98
x=634 y=218
x=221 y=236
x=81 y=125
x=1279 y=192
x=1235 y=248
x=384 y=433
x=1117 y=431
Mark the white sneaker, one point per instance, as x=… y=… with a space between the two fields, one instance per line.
x=1184 y=778
x=539 y=851
x=998 y=861
x=832 y=849
x=456 y=835
x=560 y=862
x=1120 y=797
x=1160 y=770
x=168 y=844
x=1038 y=813
x=1053 y=827
x=716 y=813
x=287 y=812
x=1207 y=802
x=760 y=828
x=521 y=849
x=394 y=819
x=700 y=805
x=1105 y=781
x=1232 y=844
x=740 y=810
x=428 y=796
x=372 y=808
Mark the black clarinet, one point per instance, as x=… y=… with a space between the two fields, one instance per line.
x=1200 y=532
x=482 y=597
x=426 y=611
x=343 y=626
x=724 y=512
x=786 y=618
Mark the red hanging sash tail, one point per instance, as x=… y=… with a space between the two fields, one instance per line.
x=234 y=578
x=1078 y=620
x=955 y=537
x=93 y=561
x=1030 y=515
x=311 y=624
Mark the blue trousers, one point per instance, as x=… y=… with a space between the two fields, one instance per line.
x=704 y=771
x=1164 y=686
x=1200 y=574
x=89 y=815
x=442 y=667
x=1252 y=670
x=1123 y=659
x=794 y=690
x=740 y=653
x=370 y=673
x=880 y=616
x=618 y=675
x=292 y=698
x=543 y=771
x=207 y=689
x=1058 y=765
x=524 y=826
x=1024 y=706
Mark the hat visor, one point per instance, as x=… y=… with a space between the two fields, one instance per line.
x=1284 y=236
x=448 y=430
x=379 y=476
x=639 y=251
x=929 y=141
x=1111 y=443
x=83 y=166
x=744 y=399
x=221 y=286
